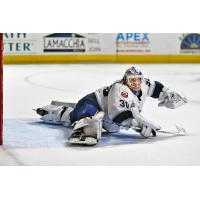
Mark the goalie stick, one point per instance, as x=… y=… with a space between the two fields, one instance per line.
x=179 y=131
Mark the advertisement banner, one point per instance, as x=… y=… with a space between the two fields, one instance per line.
x=158 y=43
x=20 y=43
x=101 y=47
x=190 y=43
x=147 y=43
x=58 y=43
x=133 y=43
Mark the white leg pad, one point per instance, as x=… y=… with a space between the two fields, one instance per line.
x=87 y=131
x=54 y=114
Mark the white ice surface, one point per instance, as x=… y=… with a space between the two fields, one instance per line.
x=30 y=86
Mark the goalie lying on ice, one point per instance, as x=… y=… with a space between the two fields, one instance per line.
x=110 y=107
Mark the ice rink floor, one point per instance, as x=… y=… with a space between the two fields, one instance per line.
x=27 y=141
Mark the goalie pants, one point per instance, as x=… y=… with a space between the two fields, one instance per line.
x=86 y=107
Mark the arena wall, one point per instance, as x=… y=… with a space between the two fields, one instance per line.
x=101 y=47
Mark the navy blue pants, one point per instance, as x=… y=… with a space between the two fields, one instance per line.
x=86 y=107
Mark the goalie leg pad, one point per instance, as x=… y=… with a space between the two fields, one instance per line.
x=55 y=114
x=86 y=131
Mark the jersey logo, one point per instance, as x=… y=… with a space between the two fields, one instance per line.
x=124 y=94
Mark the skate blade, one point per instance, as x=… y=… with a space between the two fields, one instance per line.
x=88 y=141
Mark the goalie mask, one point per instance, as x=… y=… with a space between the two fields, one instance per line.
x=133 y=79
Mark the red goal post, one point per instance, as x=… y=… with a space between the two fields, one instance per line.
x=1 y=88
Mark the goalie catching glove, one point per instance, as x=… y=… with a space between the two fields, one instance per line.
x=171 y=99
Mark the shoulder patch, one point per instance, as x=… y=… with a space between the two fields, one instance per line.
x=124 y=94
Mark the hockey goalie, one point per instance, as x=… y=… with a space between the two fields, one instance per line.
x=112 y=107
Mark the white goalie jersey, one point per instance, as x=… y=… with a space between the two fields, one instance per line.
x=117 y=100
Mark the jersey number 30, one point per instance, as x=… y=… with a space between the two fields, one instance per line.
x=124 y=103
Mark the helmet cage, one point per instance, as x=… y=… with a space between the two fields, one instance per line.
x=134 y=82
x=133 y=79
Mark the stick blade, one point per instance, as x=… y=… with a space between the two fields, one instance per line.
x=180 y=130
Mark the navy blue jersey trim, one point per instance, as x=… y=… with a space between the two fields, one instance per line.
x=123 y=116
x=157 y=90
